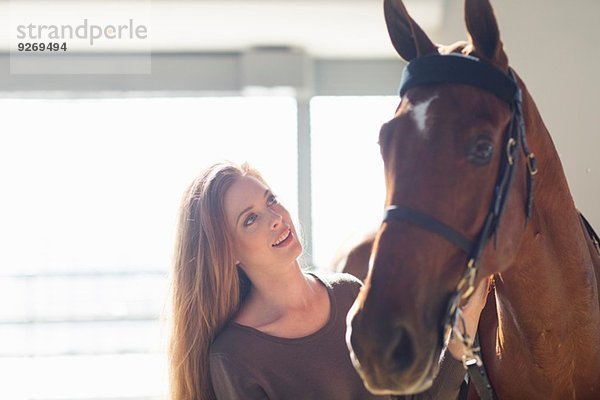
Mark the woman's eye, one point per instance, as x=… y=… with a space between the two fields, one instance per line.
x=271 y=200
x=250 y=219
x=481 y=150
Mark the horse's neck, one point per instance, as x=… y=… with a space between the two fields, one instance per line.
x=554 y=251
x=547 y=303
x=552 y=288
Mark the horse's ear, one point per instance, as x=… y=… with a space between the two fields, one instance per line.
x=407 y=36
x=484 y=34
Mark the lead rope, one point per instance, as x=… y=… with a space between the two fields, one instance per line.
x=472 y=360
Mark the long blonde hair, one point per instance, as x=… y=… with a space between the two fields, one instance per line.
x=207 y=287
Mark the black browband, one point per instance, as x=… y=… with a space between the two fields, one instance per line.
x=467 y=70
x=461 y=69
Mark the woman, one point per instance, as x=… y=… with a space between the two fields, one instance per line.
x=248 y=323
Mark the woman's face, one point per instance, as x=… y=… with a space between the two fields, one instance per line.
x=262 y=230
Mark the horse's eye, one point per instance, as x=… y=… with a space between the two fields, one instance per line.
x=481 y=150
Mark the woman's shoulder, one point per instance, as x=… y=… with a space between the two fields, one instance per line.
x=338 y=281
x=225 y=341
x=335 y=278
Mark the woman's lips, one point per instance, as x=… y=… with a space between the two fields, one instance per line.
x=283 y=239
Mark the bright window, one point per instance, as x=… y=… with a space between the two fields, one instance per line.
x=90 y=192
x=348 y=185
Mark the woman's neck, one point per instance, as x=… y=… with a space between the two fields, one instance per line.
x=287 y=290
x=275 y=293
x=289 y=305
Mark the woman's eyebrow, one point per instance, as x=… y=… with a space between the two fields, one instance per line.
x=245 y=210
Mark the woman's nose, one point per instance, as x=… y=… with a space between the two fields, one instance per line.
x=277 y=219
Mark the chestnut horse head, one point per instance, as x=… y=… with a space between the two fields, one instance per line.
x=459 y=178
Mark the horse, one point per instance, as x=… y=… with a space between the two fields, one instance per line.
x=475 y=190
x=353 y=258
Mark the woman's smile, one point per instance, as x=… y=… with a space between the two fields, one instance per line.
x=284 y=239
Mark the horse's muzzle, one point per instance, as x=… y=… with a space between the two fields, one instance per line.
x=390 y=358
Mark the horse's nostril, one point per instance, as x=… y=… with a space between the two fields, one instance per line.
x=401 y=352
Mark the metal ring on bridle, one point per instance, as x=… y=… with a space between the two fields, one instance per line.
x=510 y=145
x=532 y=164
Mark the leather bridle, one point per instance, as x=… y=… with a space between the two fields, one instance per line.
x=468 y=70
